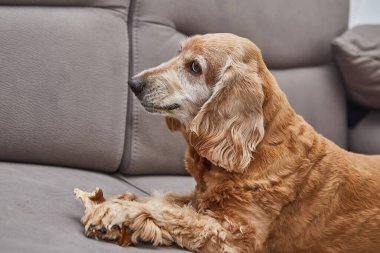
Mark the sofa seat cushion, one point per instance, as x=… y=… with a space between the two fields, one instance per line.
x=161 y=184
x=365 y=136
x=39 y=213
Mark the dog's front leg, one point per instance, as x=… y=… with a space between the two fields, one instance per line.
x=162 y=221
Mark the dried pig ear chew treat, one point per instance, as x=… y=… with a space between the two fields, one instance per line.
x=90 y=200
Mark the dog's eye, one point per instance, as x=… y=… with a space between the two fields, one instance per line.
x=195 y=67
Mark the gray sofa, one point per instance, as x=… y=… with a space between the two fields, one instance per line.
x=68 y=120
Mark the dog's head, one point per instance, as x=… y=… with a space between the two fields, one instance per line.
x=213 y=88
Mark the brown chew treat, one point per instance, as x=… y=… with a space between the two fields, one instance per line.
x=126 y=196
x=90 y=200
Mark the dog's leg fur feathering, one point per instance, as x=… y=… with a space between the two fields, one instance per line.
x=163 y=220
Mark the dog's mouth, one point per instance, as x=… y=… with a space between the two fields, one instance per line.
x=155 y=108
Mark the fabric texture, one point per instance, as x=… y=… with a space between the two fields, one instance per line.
x=290 y=35
x=63 y=90
x=357 y=53
x=120 y=5
x=40 y=214
x=365 y=136
x=161 y=184
x=317 y=94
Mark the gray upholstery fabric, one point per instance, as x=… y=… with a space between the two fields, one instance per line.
x=39 y=213
x=318 y=95
x=120 y=5
x=357 y=53
x=152 y=148
x=63 y=89
x=161 y=184
x=365 y=137
x=290 y=34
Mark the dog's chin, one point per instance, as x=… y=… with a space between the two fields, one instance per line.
x=160 y=109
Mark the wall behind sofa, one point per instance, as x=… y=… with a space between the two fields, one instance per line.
x=364 y=12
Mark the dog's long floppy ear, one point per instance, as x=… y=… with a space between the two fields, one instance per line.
x=230 y=124
x=173 y=124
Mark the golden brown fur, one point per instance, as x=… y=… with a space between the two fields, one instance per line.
x=266 y=180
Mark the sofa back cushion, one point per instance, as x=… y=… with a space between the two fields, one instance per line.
x=357 y=53
x=294 y=37
x=63 y=92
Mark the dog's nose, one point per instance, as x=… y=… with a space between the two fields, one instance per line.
x=137 y=85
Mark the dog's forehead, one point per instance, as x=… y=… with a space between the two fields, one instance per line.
x=214 y=45
x=192 y=45
x=200 y=47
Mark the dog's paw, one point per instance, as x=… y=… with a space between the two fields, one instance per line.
x=108 y=221
x=123 y=221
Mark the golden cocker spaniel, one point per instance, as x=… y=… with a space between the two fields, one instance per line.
x=266 y=180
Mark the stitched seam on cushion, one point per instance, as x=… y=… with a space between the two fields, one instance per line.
x=161 y=24
x=125 y=162
x=117 y=9
x=123 y=149
x=135 y=121
x=303 y=66
x=116 y=176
